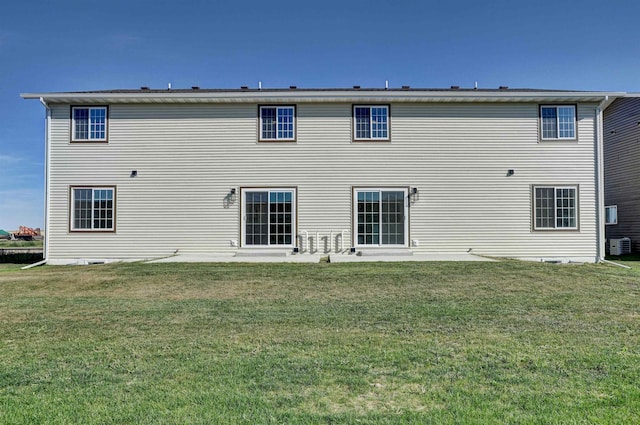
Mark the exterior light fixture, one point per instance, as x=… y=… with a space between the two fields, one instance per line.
x=134 y=173
x=510 y=172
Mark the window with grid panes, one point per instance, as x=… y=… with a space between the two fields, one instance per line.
x=277 y=123
x=558 y=122
x=371 y=122
x=555 y=207
x=381 y=217
x=93 y=209
x=269 y=217
x=89 y=124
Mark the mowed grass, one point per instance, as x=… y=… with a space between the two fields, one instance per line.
x=20 y=244
x=404 y=343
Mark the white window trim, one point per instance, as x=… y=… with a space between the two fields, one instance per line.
x=89 y=108
x=575 y=122
x=355 y=216
x=277 y=139
x=356 y=138
x=294 y=223
x=606 y=216
x=555 y=211
x=73 y=209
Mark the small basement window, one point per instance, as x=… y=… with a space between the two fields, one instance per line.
x=611 y=214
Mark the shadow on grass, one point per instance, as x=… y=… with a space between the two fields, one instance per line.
x=627 y=257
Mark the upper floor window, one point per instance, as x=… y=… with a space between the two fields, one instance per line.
x=89 y=124
x=93 y=208
x=558 y=122
x=371 y=122
x=278 y=123
x=555 y=207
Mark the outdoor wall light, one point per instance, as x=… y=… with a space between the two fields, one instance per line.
x=414 y=190
x=231 y=197
x=510 y=172
x=134 y=173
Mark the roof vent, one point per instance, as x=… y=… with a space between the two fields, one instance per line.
x=356 y=87
x=504 y=87
x=293 y=87
x=244 y=87
x=455 y=87
x=144 y=88
x=405 y=87
x=195 y=88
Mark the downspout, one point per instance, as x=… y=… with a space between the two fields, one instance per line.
x=600 y=233
x=47 y=191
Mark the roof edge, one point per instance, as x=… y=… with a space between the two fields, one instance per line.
x=319 y=95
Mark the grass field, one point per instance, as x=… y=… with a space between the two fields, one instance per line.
x=5 y=243
x=505 y=342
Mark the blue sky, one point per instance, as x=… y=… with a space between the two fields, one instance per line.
x=48 y=46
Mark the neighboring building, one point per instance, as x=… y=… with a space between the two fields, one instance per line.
x=136 y=174
x=622 y=169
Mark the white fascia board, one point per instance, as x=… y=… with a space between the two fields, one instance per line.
x=320 y=96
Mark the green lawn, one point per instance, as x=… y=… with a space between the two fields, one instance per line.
x=506 y=342
x=631 y=260
x=5 y=243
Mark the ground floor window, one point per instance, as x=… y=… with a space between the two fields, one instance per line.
x=93 y=208
x=269 y=217
x=555 y=207
x=380 y=216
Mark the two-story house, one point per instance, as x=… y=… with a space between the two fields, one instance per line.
x=622 y=169
x=140 y=174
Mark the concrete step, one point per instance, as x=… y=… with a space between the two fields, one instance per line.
x=262 y=253
x=385 y=253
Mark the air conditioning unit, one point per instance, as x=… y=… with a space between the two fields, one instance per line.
x=620 y=246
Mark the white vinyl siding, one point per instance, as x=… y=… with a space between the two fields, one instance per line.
x=189 y=156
